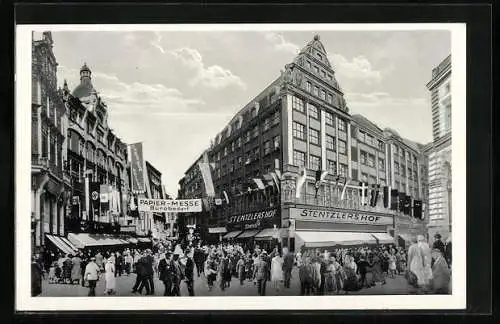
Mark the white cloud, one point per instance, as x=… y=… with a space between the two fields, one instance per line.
x=214 y=76
x=135 y=98
x=280 y=44
x=157 y=42
x=358 y=68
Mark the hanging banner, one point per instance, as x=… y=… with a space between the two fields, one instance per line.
x=136 y=166
x=207 y=178
x=94 y=200
x=169 y=205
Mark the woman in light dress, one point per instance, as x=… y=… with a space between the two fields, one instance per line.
x=419 y=261
x=110 y=277
x=276 y=271
x=392 y=265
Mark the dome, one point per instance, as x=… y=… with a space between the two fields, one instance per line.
x=83 y=90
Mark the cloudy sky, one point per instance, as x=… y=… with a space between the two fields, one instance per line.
x=175 y=90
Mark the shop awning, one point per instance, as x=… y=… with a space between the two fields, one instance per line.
x=132 y=240
x=82 y=240
x=59 y=244
x=144 y=240
x=249 y=233
x=68 y=243
x=217 y=230
x=383 y=238
x=321 y=239
x=406 y=237
x=231 y=235
x=266 y=234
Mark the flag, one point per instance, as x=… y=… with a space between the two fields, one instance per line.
x=259 y=183
x=320 y=177
x=276 y=180
x=363 y=193
x=94 y=200
x=136 y=167
x=207 y=178
x=407 y=205
x=417 y=209
x=394 y=199
x=387 y=196
x=374 y=196
x=134 y=211
x=401 y=201
x=300 y=182
x=104 y=197
x=344 y=187
x=86 y=206
x=269 y=179
x=225 y=196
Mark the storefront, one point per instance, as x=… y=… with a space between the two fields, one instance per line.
x=406 y=229
x=246 y=228
x=314 y=227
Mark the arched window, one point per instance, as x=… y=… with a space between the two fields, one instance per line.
x=90 y=152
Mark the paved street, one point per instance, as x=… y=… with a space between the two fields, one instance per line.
x=396 y=286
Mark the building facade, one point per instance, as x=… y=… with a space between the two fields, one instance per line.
x=440 y=153
x=49 y=180
x=155 y=222
x=300 y=127
x=97 y=159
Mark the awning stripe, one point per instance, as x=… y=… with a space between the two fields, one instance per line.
x=249 y=233
x=61 y=246
x=232 y=234
x=321 y=239
x=383 y=238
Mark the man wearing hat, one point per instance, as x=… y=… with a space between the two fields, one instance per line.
x=260 y=273
x=440 y=273
x=438 y=244
x=166 y=273
x=92 y=275
x=149 y=261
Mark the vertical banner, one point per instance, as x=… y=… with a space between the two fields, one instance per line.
x=86 y=206
x=207 y=178
x=136 y=166
x=93 y=213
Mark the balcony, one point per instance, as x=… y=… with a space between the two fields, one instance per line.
x=43 y=163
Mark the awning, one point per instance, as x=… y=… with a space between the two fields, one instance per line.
x=266 y=234
x=249 y=233
x=68 y=243
x=383 y=238
x=217 y=230
x=320 y=239
x=59 y=244
x=405 y=237
x=132 y=240
x=83 y=240
x=144 y=240
x=231 y=235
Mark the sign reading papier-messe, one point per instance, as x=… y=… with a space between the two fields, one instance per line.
x=169 y=205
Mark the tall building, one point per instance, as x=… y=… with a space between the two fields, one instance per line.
x=440 y=153
x=155 y=222
x=280 y=164
x=97 y=162
x=49 y=181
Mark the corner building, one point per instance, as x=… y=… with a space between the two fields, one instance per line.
x=299 y=122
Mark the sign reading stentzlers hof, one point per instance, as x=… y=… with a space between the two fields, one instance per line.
x=169 y=205
x=256 y=220
x=339 y=216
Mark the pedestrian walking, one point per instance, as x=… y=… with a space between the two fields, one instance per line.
x=260 y=273
x=99 y=259
x=306 y=277
x=177 y=276
x=376 y=269
x=419 y=260
x=189 y=273
x=210 y=271
x=276 y=271
x=240 y=269
x=288 y=262
x=109 y=277
x=67 y=268
x=225 y=272
x=149 y=267
x=76 y=270
x=36 y=277
x=440 y=273
x=92 y=275
x=166 y=274
x=392 y=265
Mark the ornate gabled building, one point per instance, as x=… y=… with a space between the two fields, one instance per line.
x=279 y=165
x=49 y=182
x=96 y=157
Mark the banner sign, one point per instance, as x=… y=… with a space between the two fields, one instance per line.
x=169 y=205
x=94 y=189
x=340 y=216
x=256 y=220
x=136 y=166
x=207 y=178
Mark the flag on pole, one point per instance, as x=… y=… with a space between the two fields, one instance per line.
x=259 y=183
x=344 y=187
x=300 y=182
x=320 y=177
x=276 y=181
x=225 y=196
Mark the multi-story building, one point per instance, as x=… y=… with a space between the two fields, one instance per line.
x=440 y=152
x=296 y=128
x=49 y=181
x=154 y=222
x=96 y=157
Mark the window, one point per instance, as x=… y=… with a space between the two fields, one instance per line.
x=276 y=142
x=313 y=111
x=342 y=147
x=299 y=158
x=382 y=182
x=361 y=136
x=256 y=153
x=373 y=180
x=313 y=136
x=248 y=136
x=308 y=64
x=331 y=166
x=323 y=95
x=298 y=131
x=381 y=145
x=266 y=124
x=415 y=175
x=255 y=131
x=329 y=98
x=238 y=142
x=396 y=168
x=330 y=77
x=323 y=74
x=315 y=90
x=371 y=160
x=314 y=162
x=319 y=56
x=403 y=171
x=364 y=158
x=381 y=164
x=267 y=147
x=233 y=147
x=364 y=177
x=225 y=151
x=316 y=70
x=100 y=136
x=369 y=139
x=343 y=169
x=342 y=125
x=410 y=174
x=330 y=143
x=298 y=104
x=308 y=86
x=329 y=118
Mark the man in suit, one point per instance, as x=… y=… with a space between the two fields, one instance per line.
x=440 y=273
x=149 y=262
x=189 y=272
x=166 y=273
x=260 y=273
x=177 y=276
x=438 y=244
x=288 y=262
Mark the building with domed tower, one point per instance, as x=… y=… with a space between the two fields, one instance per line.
x=292 y=168
x=97 y=162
